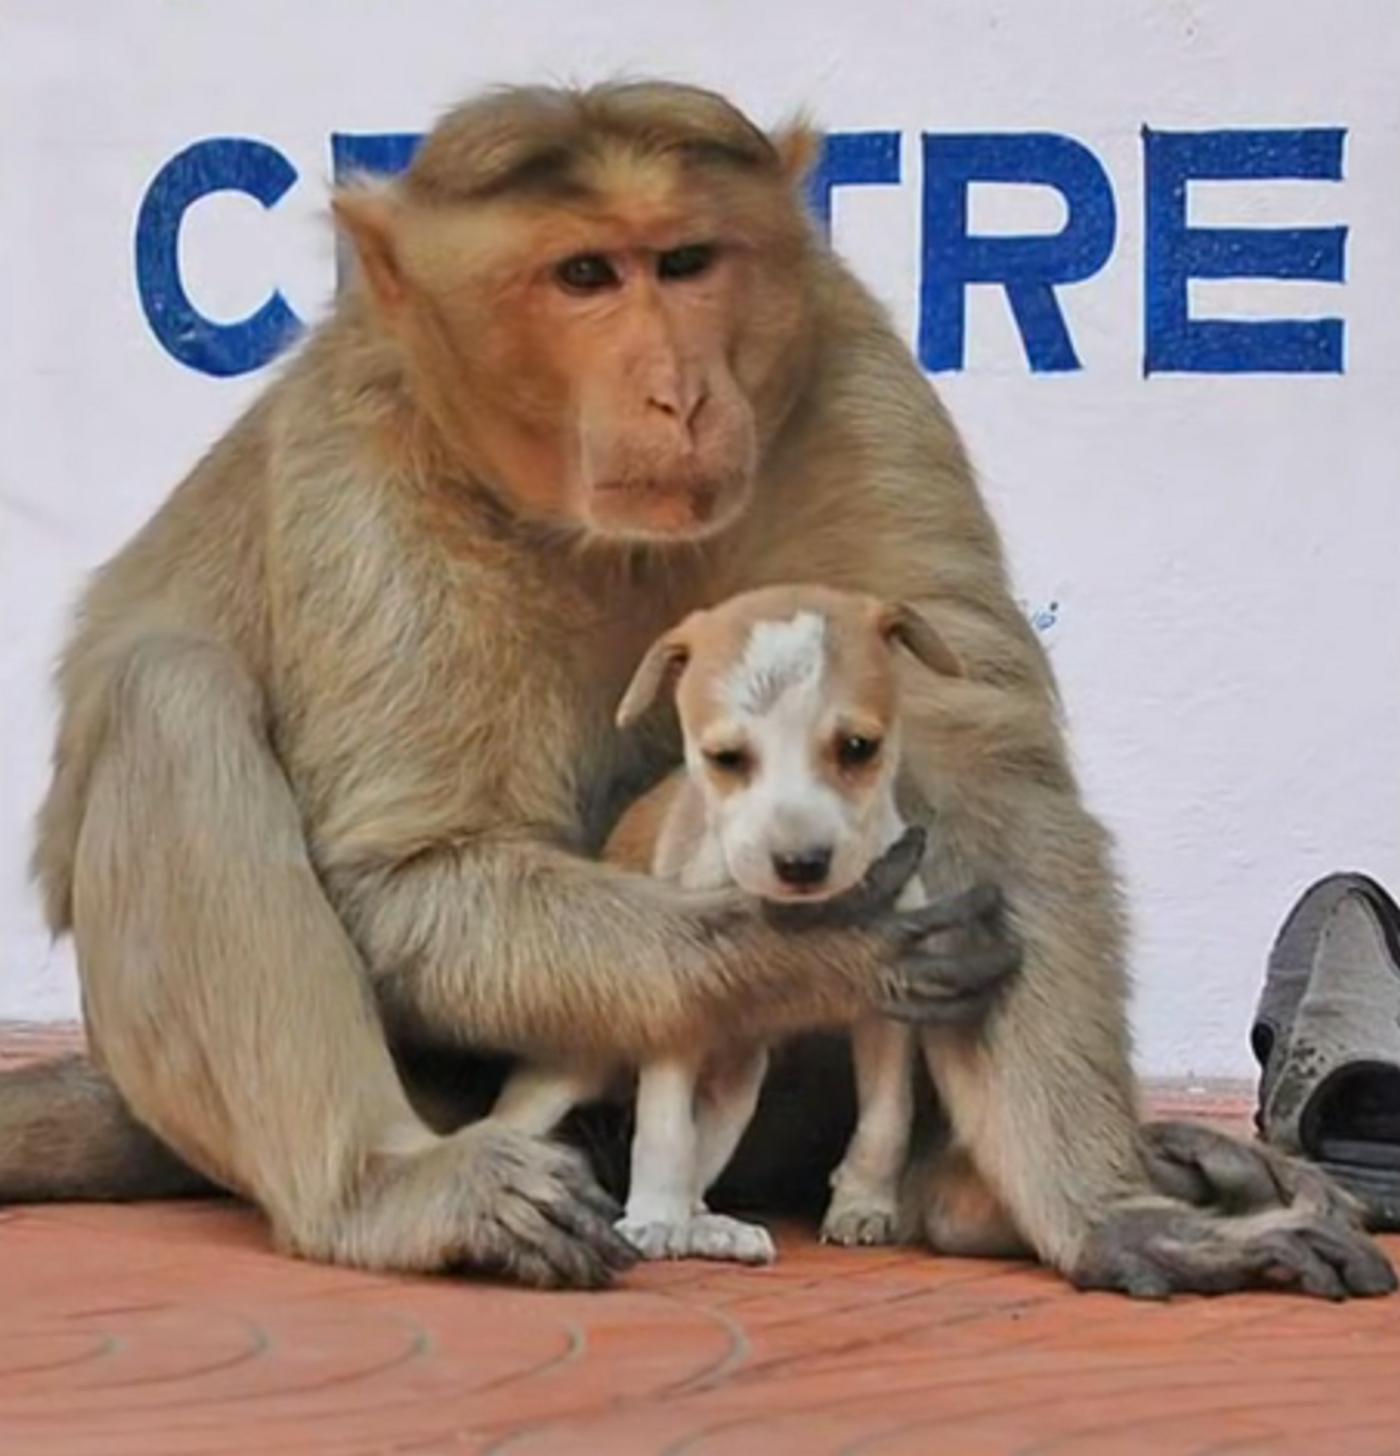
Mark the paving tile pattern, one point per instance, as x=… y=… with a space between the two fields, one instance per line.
x=173 y=1329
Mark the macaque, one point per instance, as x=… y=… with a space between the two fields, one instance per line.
x=336 y=755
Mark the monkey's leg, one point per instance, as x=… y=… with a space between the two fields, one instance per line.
x=67 y=1136
x=951 y=1205
x=1044 y=1098
x=232 y=1011
x=865 y=1187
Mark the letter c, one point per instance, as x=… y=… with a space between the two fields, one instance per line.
x=216 y=164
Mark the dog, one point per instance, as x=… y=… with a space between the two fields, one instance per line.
x=788 y=701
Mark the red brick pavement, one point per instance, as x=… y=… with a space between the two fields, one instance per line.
x=141 y=1331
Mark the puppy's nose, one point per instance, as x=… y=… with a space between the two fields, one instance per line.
x=803 y=870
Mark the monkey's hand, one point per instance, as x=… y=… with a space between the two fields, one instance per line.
x=941 y=963
x=1211 y=1169
x=1157 y=1249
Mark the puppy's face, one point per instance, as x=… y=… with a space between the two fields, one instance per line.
x=790 y=731
x=788 y=700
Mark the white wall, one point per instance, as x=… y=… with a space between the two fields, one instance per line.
x=1223 y=548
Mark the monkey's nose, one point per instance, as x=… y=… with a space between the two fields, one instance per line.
x=678 y=400
x=804 y=870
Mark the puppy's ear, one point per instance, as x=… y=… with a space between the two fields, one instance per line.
x=663 y=664
x=899 y=622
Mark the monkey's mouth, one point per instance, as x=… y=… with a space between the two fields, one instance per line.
x=699 y=497
x=641 y=507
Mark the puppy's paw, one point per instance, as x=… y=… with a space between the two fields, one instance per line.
x=702 y=1236
x=856 y=1219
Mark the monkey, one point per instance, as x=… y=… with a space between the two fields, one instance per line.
x=334 y=758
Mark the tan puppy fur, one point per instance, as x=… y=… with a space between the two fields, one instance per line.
x=788 y=704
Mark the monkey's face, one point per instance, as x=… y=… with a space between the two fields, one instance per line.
x=616 y=358
x=665 y=435
x=649 y=361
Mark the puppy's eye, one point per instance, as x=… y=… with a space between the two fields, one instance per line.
x=727 y=760
x=586 y=273
x=687 y=262
x=854 y=750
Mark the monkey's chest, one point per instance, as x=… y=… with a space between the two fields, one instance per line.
x=509 y=732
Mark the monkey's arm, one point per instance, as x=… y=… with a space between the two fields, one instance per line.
x=525 y=947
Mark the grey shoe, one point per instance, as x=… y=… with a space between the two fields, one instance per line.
x=1327 y=1037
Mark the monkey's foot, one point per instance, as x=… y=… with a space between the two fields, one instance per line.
x=1152 y=1251
x=859 y=1218
x=1211 y=1169
x=701 y=1236
x=485 y=1199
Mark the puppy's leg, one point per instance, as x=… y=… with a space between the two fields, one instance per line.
x=661 y=1219
x=725 y=1103
x=864 y=1204
x=536 y=1099
x=661 y=1193
x=865 y=1187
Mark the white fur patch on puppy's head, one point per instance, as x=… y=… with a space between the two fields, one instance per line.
x=778 y=656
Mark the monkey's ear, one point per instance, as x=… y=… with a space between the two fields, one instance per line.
x=369 y=217
x=899 y=622
x=799 y=147
x=664 y=661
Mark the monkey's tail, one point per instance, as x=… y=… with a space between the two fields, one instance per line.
x=67 y=1136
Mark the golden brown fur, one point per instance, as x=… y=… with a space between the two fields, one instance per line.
x=336 y=744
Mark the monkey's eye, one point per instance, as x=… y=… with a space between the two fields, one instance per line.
x=687 y=262
x=727 y=760
x=854 y=750
x=586 y=273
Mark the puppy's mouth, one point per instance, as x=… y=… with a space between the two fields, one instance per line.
x=782 y=893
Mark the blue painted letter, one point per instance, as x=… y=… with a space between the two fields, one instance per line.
x=218 y=164
x=1028 y=267
x=852 y=159
x=1177 y=253
x=383 y=153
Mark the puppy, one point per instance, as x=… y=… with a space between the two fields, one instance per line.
x=788 y=705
